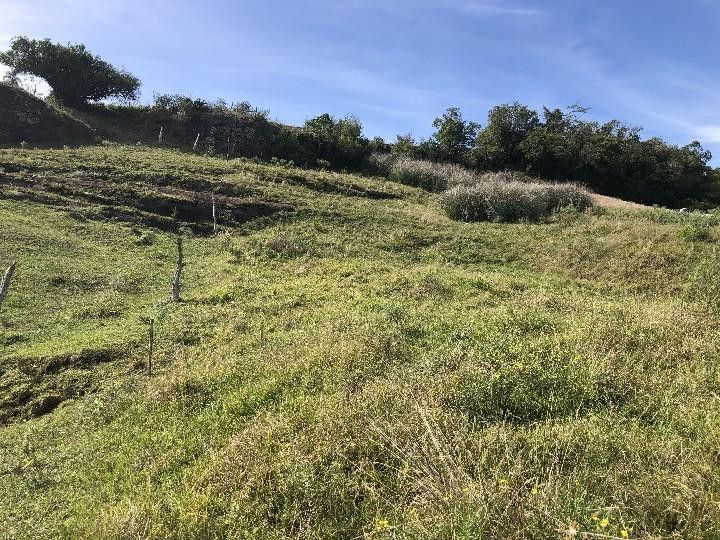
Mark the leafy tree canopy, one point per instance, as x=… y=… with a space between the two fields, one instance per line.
x=454 y=136
x=75 y=75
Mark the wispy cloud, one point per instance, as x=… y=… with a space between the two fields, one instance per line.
x=710 y=134
x=484 y=9
x=666 y=97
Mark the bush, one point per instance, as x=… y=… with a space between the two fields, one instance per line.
x=284 y=163
x=511 y=201
x=505 y=176
x=427 y=175
x=336 y=141
x=695 y=232
x=177 y=104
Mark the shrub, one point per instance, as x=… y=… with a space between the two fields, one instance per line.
x=695 y=232
x=147 y=238
x=505 y=176
x=284 y=163
x=427 y=175
x=287 y=246
x=177 y=104
x=336 y=141
x=511 y=201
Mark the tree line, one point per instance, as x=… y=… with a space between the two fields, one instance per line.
x=610 y=158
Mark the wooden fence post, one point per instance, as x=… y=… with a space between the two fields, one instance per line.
x=214 y=213
x=175 y=295
x=151 y=343
x=5 y=284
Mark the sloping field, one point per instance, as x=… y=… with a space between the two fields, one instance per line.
x=346 y=361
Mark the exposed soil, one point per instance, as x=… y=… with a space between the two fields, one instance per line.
x=612 y=202
x=164 y=207
x=348 y=190
x=31 y=387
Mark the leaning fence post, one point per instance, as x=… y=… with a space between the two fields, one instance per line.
x=160 y=135
x=197 y=140
x=175 y=295
x=5 y=284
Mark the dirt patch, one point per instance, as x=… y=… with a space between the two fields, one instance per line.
x=32 y=387
x=84 y=358
x=321 y=185
x=45 y=405
x=163 y=207
x=612 y=202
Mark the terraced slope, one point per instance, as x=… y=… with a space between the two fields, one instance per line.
x=346 y=361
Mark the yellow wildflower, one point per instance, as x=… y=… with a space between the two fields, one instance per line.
x=624 y=533
x=382 y=525
x=604 y=522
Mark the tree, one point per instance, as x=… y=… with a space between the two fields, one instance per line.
x=454 y=136
x=338 y=141
x=404 y=145
x=377 y=145
x=75 y=75
x=498 y=145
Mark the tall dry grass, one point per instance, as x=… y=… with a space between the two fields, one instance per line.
x=512 y=201
x=428 y=175
x=505 y=196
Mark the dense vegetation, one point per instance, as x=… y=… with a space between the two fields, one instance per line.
x=237 y=130
x=347 y=361
x=610 y=158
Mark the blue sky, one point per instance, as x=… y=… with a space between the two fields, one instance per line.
x=397 y=64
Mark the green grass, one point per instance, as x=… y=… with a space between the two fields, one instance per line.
x=360 y=366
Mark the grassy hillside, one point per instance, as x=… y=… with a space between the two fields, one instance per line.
x=346 y=362
x=25 y=118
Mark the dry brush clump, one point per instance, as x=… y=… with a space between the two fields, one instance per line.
x=504 y=196
x=435 y=177
x=512 y=201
